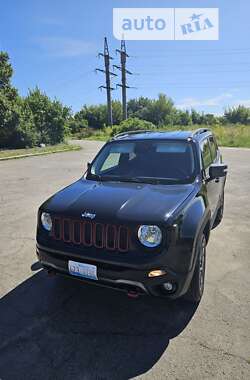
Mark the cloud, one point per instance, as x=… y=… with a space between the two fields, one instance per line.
x=242 y=102
x=209 y=102
x=65 y=47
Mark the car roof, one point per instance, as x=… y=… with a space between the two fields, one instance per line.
x=198 y=135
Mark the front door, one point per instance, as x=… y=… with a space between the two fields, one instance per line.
x=210 y=155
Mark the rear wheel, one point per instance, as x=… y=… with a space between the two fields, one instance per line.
x=196 y=288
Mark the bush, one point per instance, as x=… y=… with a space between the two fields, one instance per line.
x=132 y=124
x=77 y=126
x=16 y=126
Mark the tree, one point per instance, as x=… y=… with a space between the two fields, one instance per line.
x=6 y=70
x=50 y=117
x=95 y=115
x=182 y=118
x=158 y=111
x=132 y=124
x=195 y=116
x=117 y=111
x=240 y=114
x=15 y=129
x=77 y=126
x=138 y=107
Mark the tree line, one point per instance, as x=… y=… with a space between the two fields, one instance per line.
x=36 y=119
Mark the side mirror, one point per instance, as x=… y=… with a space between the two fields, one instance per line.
x=88 y=166
x=217 y=171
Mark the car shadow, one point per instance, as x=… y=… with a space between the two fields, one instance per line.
x=58 y=328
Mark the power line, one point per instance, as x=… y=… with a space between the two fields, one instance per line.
x=201 y=64
x=191 y=53
x=186 y=85
x=197 y=72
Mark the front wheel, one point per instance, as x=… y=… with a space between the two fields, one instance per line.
x=196 y=288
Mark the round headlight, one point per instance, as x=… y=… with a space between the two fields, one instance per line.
x=150 y=236
x=46 y=221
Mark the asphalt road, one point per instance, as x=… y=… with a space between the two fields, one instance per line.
x=56 y=328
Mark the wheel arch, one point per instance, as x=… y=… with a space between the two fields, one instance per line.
x=196 y=220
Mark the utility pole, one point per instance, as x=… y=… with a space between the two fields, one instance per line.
x=124 y=71
x=107 y=73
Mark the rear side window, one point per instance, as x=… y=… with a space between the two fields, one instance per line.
x=206 y=153
x=213 y=148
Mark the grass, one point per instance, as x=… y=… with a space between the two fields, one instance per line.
x=227 y=135
x=19 y=153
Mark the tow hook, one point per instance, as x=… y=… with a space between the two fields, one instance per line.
x=133 y=294
x=51 y=272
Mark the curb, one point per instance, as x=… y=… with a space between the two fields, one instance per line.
x=38 y=154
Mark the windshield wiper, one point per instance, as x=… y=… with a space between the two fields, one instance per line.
x=150 y=180
x=138 y=179
x=102 y=178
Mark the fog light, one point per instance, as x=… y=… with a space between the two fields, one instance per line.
x=156 y=273
x=168 y=286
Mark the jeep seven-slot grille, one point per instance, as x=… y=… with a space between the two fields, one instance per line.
x=88 y=233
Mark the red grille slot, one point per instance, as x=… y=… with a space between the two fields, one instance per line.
x=99 y=235
x=87 y=233
x=77 y=232
x=66 y=230
x=123 y=239
x=57 y=229
x=111 y=237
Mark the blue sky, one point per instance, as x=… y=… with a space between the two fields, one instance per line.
x=54 y=45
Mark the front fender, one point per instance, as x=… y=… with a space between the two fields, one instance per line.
x=190 y=223
x=195 y=219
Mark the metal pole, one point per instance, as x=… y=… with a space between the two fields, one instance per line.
x=107 y=73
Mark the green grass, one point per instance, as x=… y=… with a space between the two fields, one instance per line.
x=226 y=135
x=19 y=153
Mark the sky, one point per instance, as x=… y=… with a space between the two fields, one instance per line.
x=54 y=44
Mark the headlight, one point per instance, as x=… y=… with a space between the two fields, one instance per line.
x=46 y=221
x=150 y=236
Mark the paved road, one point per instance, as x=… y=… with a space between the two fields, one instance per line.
x=56 y=328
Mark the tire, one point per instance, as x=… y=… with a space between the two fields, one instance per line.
x=196 y=288
x=219 y=215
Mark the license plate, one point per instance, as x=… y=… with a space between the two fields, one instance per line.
x=82 y=270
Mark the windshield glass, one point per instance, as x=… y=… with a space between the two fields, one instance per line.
x=151 y=161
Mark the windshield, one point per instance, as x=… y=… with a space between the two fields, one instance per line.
x=150 y=161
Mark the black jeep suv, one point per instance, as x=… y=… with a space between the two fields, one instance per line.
x=140 y=218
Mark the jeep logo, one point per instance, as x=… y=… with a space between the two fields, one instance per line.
x=89 y=215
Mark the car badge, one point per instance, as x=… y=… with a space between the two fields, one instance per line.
x=89 y=215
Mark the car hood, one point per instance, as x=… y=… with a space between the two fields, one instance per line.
x=119 y=201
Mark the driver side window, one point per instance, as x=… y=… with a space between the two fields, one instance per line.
x=206 y=154
x=111 y=161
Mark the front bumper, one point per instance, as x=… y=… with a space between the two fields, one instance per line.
x=117 y=275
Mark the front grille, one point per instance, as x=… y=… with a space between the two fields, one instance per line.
x=90 y=234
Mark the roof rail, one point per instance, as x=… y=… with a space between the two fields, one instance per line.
x=133 y=132
x=200 y=131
